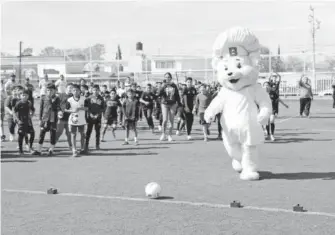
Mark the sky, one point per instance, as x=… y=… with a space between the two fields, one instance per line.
x=188 y=27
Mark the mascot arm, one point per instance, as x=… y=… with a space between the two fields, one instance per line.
x=215 y=107
x=263 y=101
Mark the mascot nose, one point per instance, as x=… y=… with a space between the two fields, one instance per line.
x=229 y=74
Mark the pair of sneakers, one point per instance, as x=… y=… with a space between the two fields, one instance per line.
x=163 y=137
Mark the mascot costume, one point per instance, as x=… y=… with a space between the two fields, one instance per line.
x=244 y=104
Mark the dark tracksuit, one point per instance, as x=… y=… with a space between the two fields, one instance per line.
x=96 y=106
x=189 y=96
x=25 y=126
x=148 y=109
x=49 y=109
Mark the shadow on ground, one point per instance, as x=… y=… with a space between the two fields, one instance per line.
x=266 y=175
x=297 y=140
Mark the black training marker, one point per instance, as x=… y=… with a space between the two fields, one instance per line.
x=235 y=204
x=298 y=208
x=52 y=191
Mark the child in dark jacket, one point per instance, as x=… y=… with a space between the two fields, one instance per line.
x=130 y=111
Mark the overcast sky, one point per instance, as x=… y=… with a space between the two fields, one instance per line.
x=168 y=27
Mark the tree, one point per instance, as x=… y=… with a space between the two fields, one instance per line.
x=27 y=51
x=119 y=57
x=98 y=51
x=331 y=63
x=294 y=64
x=5 y=54
x=51 y=51
x=264 y=61
x=119 y=53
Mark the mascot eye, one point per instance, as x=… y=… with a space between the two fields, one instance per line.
x=239 y=65
x=226 y=68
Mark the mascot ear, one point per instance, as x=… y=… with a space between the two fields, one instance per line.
x=254 y=58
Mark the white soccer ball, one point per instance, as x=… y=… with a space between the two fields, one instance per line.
x=152 y=190
x=75 y=118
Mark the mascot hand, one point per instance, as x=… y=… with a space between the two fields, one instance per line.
x=262 y=120
x=207 y=117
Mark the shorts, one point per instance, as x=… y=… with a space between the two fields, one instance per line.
x=130 y=124
x=275 y=106
x=202 y=119
x=74 y=129
x=25 y=128
x=47 y=126
x=2 y=115
x=180 y=113
x=110 y=121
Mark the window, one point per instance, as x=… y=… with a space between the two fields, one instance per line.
x=165 y=64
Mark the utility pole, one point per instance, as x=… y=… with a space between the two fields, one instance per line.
x=315 y=23
x=20 y=60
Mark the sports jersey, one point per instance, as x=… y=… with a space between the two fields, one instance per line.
x=148 y=97
x=112 y=105
x=189 y=96
x=22 y=111
x=169 y=94
x=130 y=108
x=78 y=118
x=95 y=105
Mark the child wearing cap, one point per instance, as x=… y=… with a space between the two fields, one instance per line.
x=49 y=109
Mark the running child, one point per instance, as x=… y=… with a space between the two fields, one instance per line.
x=270 y=127
x=157 y=105
x=110 y=115
x=180 y=114
x=189 y=97
x=147 y=99
x=130 y=111
x=201 y=104
x=3 y=99
x=23 y=111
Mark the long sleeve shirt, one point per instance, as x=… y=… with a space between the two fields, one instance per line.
x=305 y=90
x=49 y=108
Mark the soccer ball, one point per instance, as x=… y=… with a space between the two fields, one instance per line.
x=60 y=114
x=152 y=190
x=75 y=118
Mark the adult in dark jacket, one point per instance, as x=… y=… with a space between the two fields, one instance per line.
x=170 y=100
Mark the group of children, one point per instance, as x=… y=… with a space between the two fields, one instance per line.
x=80 y=109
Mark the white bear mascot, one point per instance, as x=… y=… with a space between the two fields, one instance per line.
x=244 y=104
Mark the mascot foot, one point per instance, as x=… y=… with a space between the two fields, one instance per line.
x=236 y=166
x=249 y=175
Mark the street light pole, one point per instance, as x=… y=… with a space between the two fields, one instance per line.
x=20 y=60
x=315 y=23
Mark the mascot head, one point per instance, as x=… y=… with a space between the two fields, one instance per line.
x=236 y=53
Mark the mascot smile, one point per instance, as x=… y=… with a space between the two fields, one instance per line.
x=245 y=105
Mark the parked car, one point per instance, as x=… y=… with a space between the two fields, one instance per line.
x=326 y=92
